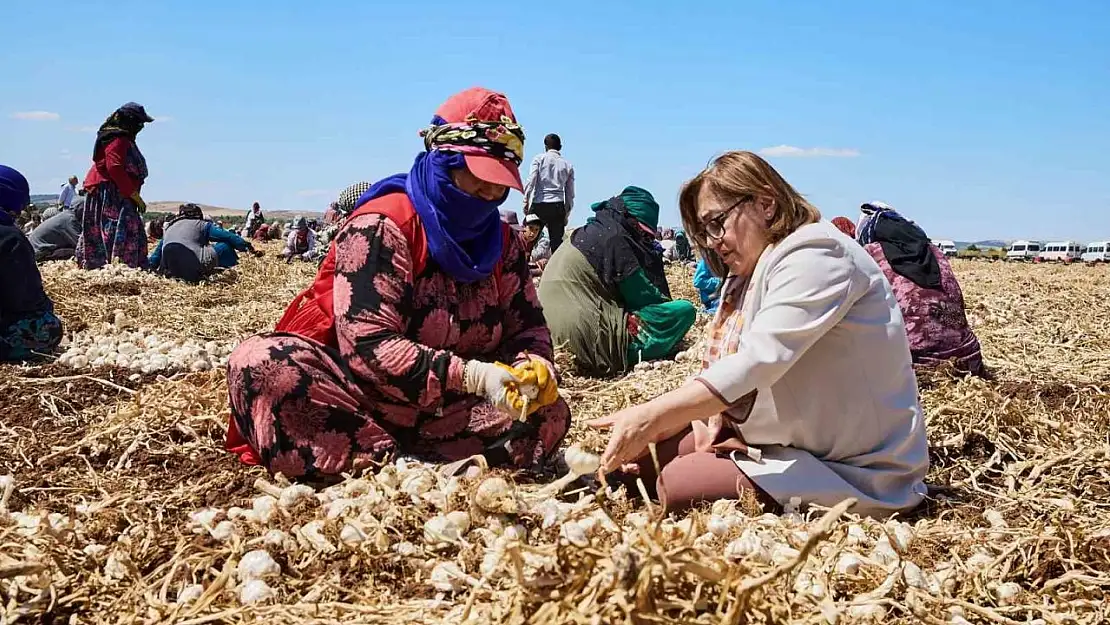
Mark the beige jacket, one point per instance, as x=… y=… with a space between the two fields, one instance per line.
x=836 y=413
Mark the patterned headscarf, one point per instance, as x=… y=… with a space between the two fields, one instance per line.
x=15 y=194
x=503 y=140
x=126 y=121
x=345 y=205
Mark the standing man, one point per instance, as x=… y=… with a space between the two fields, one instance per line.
x=68 y=194
x=549 y=192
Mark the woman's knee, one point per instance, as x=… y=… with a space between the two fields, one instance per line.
x=700 y=477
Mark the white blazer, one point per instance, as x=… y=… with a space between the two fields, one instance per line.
x=837 y=412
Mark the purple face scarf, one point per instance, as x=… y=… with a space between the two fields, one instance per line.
x=463 y=231
x=15 y=194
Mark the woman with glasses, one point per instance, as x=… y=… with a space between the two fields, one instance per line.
x=808 y=390
x=605 y=295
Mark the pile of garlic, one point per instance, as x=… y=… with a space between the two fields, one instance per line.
x=119 y=344
x=109 y=274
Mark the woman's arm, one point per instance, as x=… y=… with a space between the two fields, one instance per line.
x=219 y=235
x=637 y=292
x=156 y=256
x=373 y=305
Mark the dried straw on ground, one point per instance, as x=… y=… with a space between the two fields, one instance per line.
x=123 y=507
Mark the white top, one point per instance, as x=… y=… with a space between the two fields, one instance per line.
x=551 y=179
x=65 y=198
x=837 y=412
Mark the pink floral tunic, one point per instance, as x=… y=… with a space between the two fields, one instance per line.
x=395 y=384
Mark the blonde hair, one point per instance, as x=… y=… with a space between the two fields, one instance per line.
x=738 y=174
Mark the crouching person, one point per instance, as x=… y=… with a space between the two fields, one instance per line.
x=28 y=326
x=398 y=346
x=194 y=248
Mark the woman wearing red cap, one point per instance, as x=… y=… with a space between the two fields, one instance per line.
x=400 y=345
x=112 y=226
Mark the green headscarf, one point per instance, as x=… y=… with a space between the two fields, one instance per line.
x=640 y=204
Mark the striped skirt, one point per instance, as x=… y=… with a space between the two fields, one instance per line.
x=112 y=229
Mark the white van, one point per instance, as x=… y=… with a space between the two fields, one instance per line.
x=1097 y=252
x=1061 y=251
x=947 y=247
x=1023 y=250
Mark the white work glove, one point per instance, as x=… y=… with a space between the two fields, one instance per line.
x=487 y=380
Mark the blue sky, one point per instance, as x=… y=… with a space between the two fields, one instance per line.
x=977 y=119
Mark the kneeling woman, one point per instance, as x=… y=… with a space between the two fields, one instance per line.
x=606 y=295
x=931 y=300
x=194 y=248
x=807 y=363
x=28 y=326
x=397 y=346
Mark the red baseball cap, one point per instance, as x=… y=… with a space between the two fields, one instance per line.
x=481 y=104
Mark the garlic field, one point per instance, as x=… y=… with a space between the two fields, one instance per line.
x=118 y=503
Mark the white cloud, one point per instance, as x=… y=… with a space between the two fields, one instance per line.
x=36 y=116
x=314 y=193
x=82 y=129
x=790 y=151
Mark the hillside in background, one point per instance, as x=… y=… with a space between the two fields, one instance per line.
x=220 y=211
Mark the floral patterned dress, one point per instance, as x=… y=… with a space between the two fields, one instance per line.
x=936 y=323
x=395 y=382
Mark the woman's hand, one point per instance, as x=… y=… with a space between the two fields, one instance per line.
x=631 y=431
x=139 y=203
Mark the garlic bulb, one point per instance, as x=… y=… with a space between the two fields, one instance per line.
x=448 y=577
x=258 y=565
x=264 y=508
x=884 y=553
x=1007 y=593
x=914 y=578
x=223 y=531
x=902 y=535
x=848 y=564
x=296 y=495
x=190 y=594
x=808 y=583
x=857 y=536
x=718 y=526
x=311 y=536
x=581 y=462
x=255 y=591
x=495 y=495
x=575 y=534
x=352 y=535
x=445 y=530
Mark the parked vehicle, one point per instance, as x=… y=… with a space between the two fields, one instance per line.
x=1023 y=250
x=1097 y=252
x=947 y=247
x=1061 y=251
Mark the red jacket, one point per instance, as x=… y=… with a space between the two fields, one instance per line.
x=112 y=166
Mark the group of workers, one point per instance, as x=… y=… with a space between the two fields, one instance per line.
x=425 y=333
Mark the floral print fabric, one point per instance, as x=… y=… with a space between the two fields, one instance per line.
x=30 y=336
x=936 y=323
x=394 y=383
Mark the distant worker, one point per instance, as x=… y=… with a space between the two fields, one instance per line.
x=68 y=194
x=549 y=192
x=301 y=242
x=194 y=248
x=254 y=220
x=28 y=326
x=56 y=238
x=112 y=226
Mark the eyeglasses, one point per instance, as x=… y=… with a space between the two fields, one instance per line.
x=715 y=228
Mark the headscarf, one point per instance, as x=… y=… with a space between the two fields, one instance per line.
x=905 y=245
x=619 y=239
x=300 y=223
x=509 y=216
x=187 y=211
x=345 y=205
x=845 y=225
x=463 y=231
x=126 y=121
x=682 y=246
x=15 y=195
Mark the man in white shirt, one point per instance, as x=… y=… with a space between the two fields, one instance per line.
x=549 y=192
x=68 y=194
